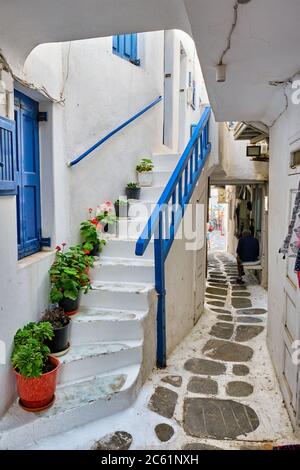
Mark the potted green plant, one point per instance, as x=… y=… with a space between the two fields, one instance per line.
x=144 y=171
x=35 y=369
x=121 y=208
x=60 y=343
x=91 y=243
x=69 y=277
x=133 y=191
x=105 y=215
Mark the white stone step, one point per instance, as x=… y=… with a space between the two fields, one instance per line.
x=125 y=248
x=161 y=177
x=76 y=404
x=130 y=228
x=122 y=295
x=152 y=193
x=87 y=360
x=141 y=209
x=91 y=325
x=113 y=269
x=165 y=161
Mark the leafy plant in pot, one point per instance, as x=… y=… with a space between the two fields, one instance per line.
x=133 y=191
x=105 y=215
x=35 y=369
x=68 y=276
x=91 y=243
x=144 y=171
x=121 y=208
x=60 y=343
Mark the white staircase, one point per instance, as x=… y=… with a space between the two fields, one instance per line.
x=111 y=353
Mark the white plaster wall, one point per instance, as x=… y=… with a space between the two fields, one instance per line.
x=233 y=160
x=231 y=238
x=281 y=134
x=185 y=276
x=98 y=102
x=24 y=291
x=100 y=90
x=179 y=114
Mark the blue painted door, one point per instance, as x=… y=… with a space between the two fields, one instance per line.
x=27 y=175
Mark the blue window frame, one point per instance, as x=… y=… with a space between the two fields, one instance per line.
x=27 y=176
x=125 y=46
x=7 y=157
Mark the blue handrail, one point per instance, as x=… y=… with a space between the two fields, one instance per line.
x=115 y=131
x=178 y=192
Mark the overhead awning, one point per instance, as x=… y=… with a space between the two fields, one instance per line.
x=254 y=132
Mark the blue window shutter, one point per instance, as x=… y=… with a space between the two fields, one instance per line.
x=134 y=47
x=7 y=157
x=116 y=47
x=28 y=176
x=125 y=46
x=128 y=46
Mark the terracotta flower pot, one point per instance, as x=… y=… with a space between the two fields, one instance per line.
x=38 y=393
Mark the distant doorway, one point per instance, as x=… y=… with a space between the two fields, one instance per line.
x=182 y=105
x=216 y=229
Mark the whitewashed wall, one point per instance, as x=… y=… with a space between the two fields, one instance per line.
x=282 y=135
x=233 y=158
x=100 y=91
x=186 y=273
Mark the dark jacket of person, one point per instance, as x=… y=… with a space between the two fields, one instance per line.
x=248 y=249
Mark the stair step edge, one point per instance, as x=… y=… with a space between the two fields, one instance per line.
x=17 y=418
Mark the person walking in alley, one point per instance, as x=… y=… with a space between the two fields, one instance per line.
x=247 y=252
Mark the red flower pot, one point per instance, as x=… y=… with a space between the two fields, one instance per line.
x=38 y=393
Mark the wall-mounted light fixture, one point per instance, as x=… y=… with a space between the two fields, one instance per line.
x=221 y=73
x=221 y=67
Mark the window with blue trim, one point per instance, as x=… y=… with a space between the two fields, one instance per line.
x=125 y=46
x=8 y=184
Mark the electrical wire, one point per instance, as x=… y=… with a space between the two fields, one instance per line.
x=234 y=24
x=7 y=68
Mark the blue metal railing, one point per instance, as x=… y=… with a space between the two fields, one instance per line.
x=163 y=225
x=115 y=131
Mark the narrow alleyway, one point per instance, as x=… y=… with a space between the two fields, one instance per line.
x=219 y=390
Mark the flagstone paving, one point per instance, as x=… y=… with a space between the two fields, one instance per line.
x=218 y=419
x=219 y=390
x=252 y=311
x=164 y=432
x=238 y=302
x=163 y=402
x=204 y=367
x=248 y=320
x=240 y=369
x=239 y=389
x=174 y=380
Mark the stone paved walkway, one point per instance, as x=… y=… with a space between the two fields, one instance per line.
x=218 y=391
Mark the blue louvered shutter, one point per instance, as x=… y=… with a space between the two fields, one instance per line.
x=134 y=52
x=125 y=46
x=128 y=46
x=7 y=157
x=116 y=44
x=27 y=175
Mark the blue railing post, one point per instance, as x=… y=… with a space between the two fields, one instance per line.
x=178 y=192
x=161 y=295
